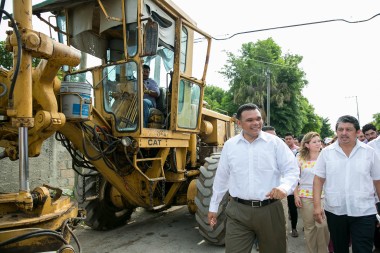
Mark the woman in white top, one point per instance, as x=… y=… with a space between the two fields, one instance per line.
x=316 y=235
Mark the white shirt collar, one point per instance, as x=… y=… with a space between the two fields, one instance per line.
x=262 y=135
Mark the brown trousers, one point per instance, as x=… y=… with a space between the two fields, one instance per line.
x=245 y=223
x=317 y=235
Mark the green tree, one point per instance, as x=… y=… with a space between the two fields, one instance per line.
x=228 y=103
x=260 y=64
x=326 y=129
x=311 y=121
x=6 y=58
x=213 y=96
x=376 y=120
x=220 y=100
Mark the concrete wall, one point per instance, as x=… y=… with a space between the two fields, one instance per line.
x=52 y=167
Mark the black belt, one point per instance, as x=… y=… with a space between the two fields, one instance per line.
x=255 y=203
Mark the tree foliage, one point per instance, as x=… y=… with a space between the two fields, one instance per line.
x=326 y=129
x=6 y=57
x=213 y=96
x=6 y=60
x=261 y=65
x=220 y=100
x=376 y=120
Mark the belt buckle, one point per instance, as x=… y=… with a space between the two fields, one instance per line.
x=256 y=201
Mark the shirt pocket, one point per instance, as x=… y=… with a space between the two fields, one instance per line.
x=332 y=198
x=265 y=161
x=332 y=167
x=363 y=200
x=239 y=166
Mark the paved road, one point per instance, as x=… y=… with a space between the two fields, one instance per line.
x=171 y=231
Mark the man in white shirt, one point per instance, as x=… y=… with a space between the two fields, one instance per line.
x=348 y=169
x=289 y=140
x=293 y=211
x=376 y=145
x=369 y=131
x=250 y=168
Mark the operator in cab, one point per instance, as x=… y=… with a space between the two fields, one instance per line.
x=151 y=93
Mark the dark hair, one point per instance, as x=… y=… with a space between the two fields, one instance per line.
x=367 y=127
x=348 y=119
x=299 y=138
x=245 y=107
x=146 y=67
x=289 y=134
x=268 y=128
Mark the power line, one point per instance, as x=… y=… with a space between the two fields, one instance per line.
x=274 y=64
x=301 y=24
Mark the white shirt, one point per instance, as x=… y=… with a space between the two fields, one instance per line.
x=305 y=187
x=349 y=180
x=251 y=170
x=376 y=145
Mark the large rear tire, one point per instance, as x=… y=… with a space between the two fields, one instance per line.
x=101 y=214
x=204 y=183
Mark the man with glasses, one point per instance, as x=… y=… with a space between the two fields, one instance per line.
x=369 y=131
x=348 y=170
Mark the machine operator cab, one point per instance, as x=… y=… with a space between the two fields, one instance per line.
x=122 y=36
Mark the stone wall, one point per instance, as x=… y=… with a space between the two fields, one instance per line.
x=52 y=167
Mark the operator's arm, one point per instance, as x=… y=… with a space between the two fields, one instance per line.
x=152 y=89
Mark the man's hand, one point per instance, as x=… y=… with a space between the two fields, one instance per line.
x=297 y=201
x=319 y=215
x=276 y=193
x=116 y=95
x=212 y=219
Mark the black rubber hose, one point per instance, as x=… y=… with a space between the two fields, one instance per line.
x=2 y=8
x=43 y=232
x=17 y=69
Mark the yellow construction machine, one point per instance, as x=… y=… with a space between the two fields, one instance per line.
x=96 y=110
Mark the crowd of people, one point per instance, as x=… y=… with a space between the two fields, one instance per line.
x=332 y=183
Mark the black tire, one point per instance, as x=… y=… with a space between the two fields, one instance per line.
x=101 y=214
x=205 y=182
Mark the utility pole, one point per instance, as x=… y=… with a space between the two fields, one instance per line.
x=357 y=106
x=357 y=109
x=268 y=96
